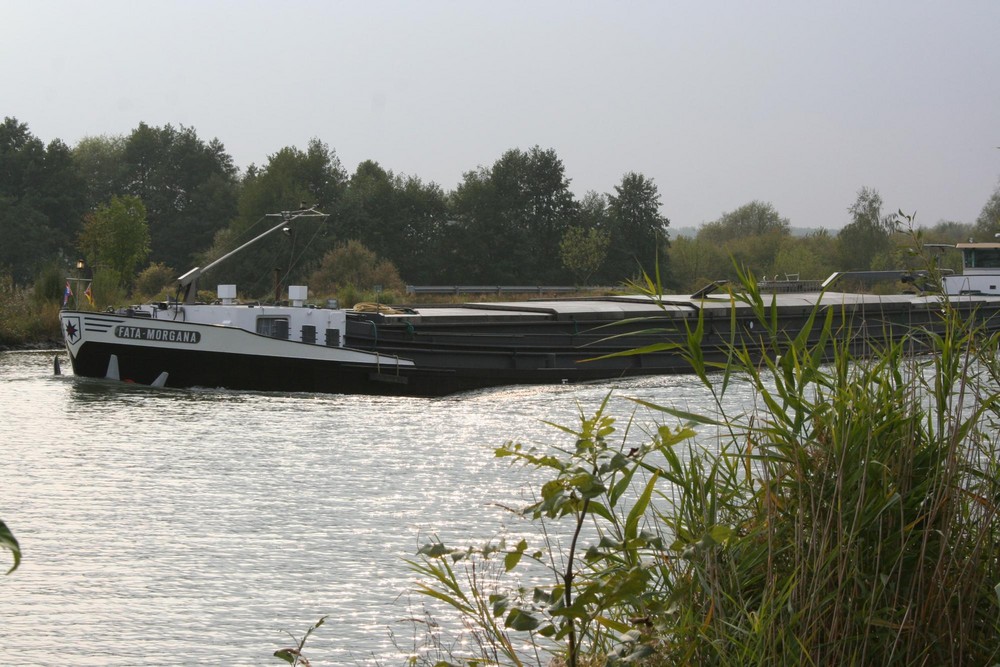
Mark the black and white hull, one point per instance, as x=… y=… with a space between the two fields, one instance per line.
x=445 y=349
x=218 y=355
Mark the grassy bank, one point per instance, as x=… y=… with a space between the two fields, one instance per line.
x=850 y=517
x=25 y=321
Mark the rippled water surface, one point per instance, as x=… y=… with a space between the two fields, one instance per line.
x=204 y=527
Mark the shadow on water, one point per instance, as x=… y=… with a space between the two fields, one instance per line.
x=34 y=364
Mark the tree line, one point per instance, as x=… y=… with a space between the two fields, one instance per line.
x=160 y=200
x=503 y=224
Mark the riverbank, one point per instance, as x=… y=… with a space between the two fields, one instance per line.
x=27 y=346
x=27 y=322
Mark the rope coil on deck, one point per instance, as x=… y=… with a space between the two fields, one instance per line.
x=380 y=308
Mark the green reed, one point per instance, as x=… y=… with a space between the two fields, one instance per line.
x=850 y=518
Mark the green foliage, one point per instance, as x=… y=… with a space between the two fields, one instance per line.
x=353 y=264
x=594 y=590
x=28 y=240
x=50 y=283
x=638 y=231
x=15 y=311
x=583 y=251
x=154 y=280
x=696 y=263
x=851 y=517
x=9 y=542
x=594 y=211
x=865 y=241
x=809 y=257
x=504 y=224
x=754 y=219
x=348 y=295
x=106 y=289
x=25 y=319
x=753 y=235
x=947 y=231
x=188 y=187
x=293 y=656
x=988 y=222
x=41 y=200
x=115 y=238
x=510 y=219
x=402 y=218
x=291 y=178
x=101 y=160
x=757 y=253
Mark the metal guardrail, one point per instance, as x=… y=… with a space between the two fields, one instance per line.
x=496 y=289
x=875 y=276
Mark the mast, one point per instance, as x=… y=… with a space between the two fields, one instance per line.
x=188 y=283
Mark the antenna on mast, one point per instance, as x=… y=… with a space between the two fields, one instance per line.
x=187 y=285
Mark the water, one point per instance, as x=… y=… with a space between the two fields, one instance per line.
x=204 y=527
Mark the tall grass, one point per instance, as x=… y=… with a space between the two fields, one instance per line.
x=25 y=320
x=849 y=518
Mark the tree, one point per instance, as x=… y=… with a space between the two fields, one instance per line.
x=988 y=222
x=866 y=238
x=511 y=218
x=58 y=191
x=807 y=257
x=187 y=185
x=949 y=231
x=292 y=178
x=583 y=251
x=20 y=151
x=478 y=247
x=27 y=240
x=751 y=236
x=695 y=263
x=754 y=219
x=399 y=216
x=593 y=211
x=421 y=220
x=365 y=211
x=115 y=238
x=43 y=200
x=102 y=162
x=638 y=230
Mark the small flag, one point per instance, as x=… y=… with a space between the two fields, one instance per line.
x=67 y=294
x=89 y=295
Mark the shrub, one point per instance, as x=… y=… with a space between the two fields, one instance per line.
x=106 y=289
x=23 y=320
x=155 y=280
x=50 y=284
x=354 y=264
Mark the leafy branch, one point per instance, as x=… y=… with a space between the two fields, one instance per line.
x=293 y=656
x=9 y=542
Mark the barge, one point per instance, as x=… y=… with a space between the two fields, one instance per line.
x=442 y=349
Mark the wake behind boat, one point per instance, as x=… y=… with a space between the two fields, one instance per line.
x=442 y=349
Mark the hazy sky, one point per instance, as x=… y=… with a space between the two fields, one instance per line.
x=795 y=103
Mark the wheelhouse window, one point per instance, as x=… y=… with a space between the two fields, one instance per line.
x=275 y=327
x=982 y=258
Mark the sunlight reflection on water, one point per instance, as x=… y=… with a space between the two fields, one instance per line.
x=185 y=527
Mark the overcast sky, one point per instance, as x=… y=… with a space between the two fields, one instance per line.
x=795 y=103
